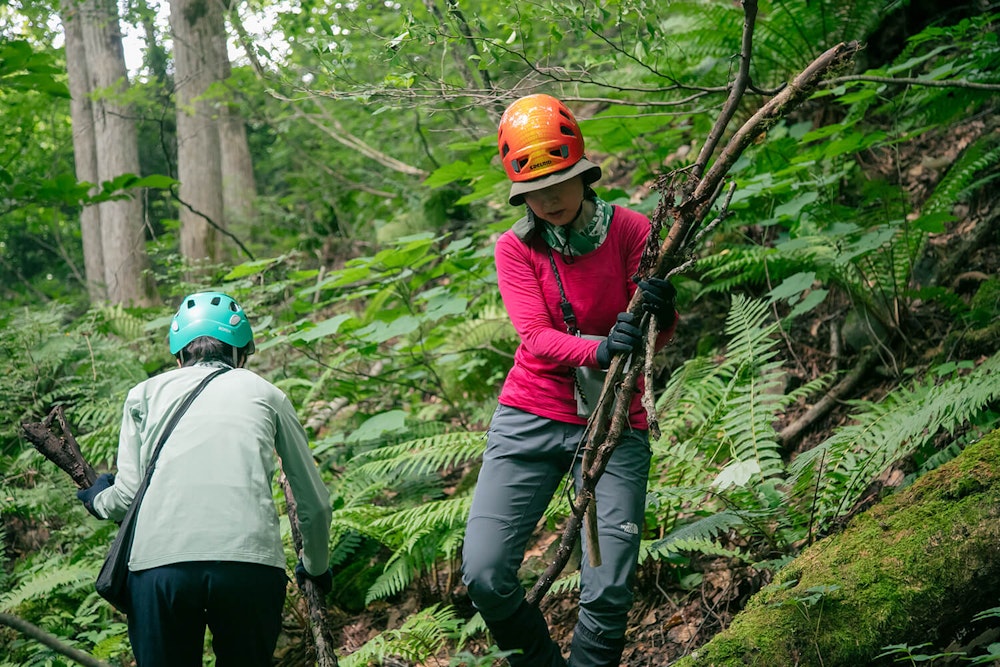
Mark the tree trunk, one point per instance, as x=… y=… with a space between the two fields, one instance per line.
x=84 y=147
x=916 y=568
x=117 y=148
x=239 y=188
x=197 y=26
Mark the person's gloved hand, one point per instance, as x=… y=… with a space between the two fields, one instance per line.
x=87 y=496
x=624 y=338
x=324 y=582
x=658 y=296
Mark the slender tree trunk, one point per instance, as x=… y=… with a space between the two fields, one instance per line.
x=196 y=26
x=239 y=188
x=117 y=149
x=84 y=147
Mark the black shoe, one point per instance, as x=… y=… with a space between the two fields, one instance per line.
x=526 y=630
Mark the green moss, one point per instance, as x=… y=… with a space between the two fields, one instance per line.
x=923 y=555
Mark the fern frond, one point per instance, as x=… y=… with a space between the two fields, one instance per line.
x=45 y=582
x=420 y=638
x=414 y=457
x=983 y=155
x=696 y=537
x=752 y=403
x=837 y=470
x=396 y=576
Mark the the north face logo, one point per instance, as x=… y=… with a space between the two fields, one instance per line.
x=630 y=528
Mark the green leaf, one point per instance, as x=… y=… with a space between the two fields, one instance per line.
x=250 y=268
x=933 y=223
x=737 y=473
x=449 y=173
x=812 y=300
x=157 y=181
x=792 y=286
x=321 y=330
x=378 y=425
x=379 y=332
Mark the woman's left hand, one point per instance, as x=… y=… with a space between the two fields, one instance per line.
x=658 y=296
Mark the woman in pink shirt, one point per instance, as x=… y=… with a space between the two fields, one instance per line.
x=566 y=272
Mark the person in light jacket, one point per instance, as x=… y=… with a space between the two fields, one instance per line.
x=207 y=550
x=571 y=248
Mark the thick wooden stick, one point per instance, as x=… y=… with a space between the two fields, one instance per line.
x=51 y=641
x=63 y=450
x=319 y=620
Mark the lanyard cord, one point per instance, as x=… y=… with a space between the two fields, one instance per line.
x=569 y=318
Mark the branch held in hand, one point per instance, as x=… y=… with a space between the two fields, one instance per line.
x=63 y=450
x=319 y=621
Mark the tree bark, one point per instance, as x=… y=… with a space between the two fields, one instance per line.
x=914 y=569
x=84 y=147
x=117 y=148
x=63 y=450
x=322 y=635
x=196 y=26
x=32 y=631
x=239 y=188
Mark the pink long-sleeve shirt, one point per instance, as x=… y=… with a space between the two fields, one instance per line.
x=599 y=285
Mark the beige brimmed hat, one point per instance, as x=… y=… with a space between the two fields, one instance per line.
x=591 y=173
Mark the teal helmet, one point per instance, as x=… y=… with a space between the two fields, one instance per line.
x=211 y=314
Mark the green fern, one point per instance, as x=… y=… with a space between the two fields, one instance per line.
x=696 y=537
x=420 y=638
x=414 y=458
x=47 y=580
x=982 y=156
x=832 y=476
x=752 y=403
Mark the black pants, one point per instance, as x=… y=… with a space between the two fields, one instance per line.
x=240 y=603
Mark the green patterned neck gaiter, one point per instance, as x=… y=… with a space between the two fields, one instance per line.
x=584 y=234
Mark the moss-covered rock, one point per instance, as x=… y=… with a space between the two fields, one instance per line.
x=908 y=571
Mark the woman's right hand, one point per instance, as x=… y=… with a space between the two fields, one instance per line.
x=623 y=338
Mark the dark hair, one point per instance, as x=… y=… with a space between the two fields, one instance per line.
x=206 y=348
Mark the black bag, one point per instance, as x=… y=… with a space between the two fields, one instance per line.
x=112 y=582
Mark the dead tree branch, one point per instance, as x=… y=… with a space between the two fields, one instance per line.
x=63 y=450
x=32 y=631
x=319 y=621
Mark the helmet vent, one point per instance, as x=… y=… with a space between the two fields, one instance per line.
x=190 y=303
x=216 y=300
x=233 y=307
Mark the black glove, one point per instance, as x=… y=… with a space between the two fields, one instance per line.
x=658 y=300
x=324 y=582
x=624 y=338
x=87 y=496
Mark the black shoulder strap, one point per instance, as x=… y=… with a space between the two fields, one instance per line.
x=176 y=417
x=127 y=523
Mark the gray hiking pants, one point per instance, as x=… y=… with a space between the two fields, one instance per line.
x=526 y=458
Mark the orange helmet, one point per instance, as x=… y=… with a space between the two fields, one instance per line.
x=538 y=135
